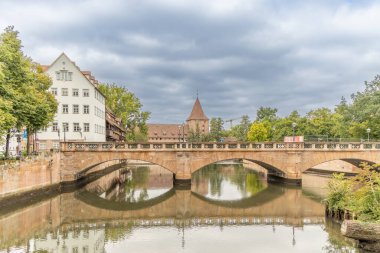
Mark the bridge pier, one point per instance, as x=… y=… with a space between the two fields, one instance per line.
x=181 y=180
x=284 y=180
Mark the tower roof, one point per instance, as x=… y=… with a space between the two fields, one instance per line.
x=197 y=112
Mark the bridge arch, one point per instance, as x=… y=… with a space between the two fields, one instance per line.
x=77 y=164
x=265 y=164
x=353 y=161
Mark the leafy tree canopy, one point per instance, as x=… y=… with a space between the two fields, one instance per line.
x=128 y=107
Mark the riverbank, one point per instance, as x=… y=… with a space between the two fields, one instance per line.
x=36 y=178
x=367 y=234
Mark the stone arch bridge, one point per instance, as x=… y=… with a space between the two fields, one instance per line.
x=286 y=160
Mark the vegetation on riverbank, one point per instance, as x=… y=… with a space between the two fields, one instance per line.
x=359 y=196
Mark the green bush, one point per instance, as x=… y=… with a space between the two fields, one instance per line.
x=339 y=193
x=359 y=195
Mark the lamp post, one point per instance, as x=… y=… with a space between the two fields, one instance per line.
x=368 y=131
x=294 y=124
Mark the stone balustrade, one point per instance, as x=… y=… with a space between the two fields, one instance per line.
x=219 y=146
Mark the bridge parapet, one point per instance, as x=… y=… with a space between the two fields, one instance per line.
x=219 y=146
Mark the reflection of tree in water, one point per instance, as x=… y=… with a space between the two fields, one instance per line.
x=247 y=182
x=114 y=234
x=336 y=242
x=138 y=180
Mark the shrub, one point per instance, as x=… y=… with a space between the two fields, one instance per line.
x=359 y=195
x=339 y=193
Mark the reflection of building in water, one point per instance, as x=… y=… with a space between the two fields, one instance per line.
x=77 y=241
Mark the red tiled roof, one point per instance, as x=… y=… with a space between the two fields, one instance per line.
x=166 y=130
x=197 y=112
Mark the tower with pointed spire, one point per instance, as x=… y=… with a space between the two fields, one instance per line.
x=198 y=119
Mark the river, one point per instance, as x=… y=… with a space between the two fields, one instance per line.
x=228 y=208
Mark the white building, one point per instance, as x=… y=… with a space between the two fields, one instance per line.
x=81 y=106
x=77 y=241
x=14 y=146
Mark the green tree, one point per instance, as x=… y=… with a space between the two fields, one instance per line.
x=216 y=129
x=129 y=108
x=284 y=126
x=266 y=114
x=364 y=112
x=322 y=122
x=43 y=104
x=23 y=86
x=195 y=135
x=257 y=132
x=240 y=131
x=7 y=120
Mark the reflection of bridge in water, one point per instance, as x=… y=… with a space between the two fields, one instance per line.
x=68 y=211
x=274 y=205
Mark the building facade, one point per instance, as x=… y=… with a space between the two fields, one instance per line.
x=81 y=106
x=180 y=132
x=115 y=131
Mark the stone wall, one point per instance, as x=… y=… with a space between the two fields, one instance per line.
x=17 y=177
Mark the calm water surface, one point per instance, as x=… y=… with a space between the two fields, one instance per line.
x=228 y=209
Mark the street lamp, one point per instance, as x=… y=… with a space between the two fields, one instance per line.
x=294 y=124
x=368 y=131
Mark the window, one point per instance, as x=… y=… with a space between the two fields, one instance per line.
x=65 y=109
x=54 y=91
x=56 y=145
x=43 y=129
x=75 y=109
x=75 y=93
x=86 y=109
x=65 y=127
x=76 y=127
x=65 y=92
x=86 y=127
x=55 y=127
x=86 y=92
x=42 y=146
x=99 y=97
x=64 y=75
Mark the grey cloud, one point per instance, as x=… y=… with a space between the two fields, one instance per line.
x=240 y=55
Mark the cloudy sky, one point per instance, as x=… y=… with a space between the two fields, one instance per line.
x=239 y=54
